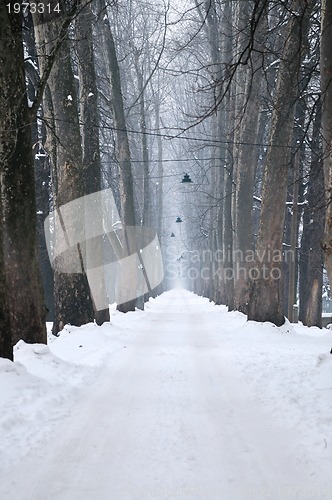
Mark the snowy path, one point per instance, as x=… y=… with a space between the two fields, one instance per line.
x=170 y=417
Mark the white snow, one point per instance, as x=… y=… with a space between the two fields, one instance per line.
x=181 y=401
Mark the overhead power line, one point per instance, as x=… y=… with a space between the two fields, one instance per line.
x=200 y=139
x=170 y=136
x=177 y=160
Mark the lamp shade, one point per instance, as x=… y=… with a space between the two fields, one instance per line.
x=186 y=178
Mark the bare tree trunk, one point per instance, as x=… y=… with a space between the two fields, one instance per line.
x=292 y=265
x=266 y=297
x=24 y=289
x=73 y=301
x=326 y=88
x=129 y=274
x=146 y=209
x=6 y=344
x=159 y=184
x=311 y=253
x=225 y=293
x=89 y=116
x=42 y=167
x=228 y=235
x=246 y=165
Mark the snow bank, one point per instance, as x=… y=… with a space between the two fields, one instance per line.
x=43 y=383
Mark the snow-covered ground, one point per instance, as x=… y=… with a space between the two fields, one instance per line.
x=181 y=401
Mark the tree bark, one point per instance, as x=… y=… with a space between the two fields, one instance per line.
x=72 y=297
x=6 y=344
x=89 y=116
x=266 y=294
x=326 y=96
x=311 y=252
x=42 y=166
x=224 y=235
x=129 y=273
x=24 y=289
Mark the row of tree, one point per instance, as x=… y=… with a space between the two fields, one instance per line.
x=42 y=109
x=260 y=79
x=123 y=95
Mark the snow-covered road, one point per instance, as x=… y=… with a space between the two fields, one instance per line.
x=170 y=416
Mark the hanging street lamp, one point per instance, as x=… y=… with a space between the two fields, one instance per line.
x=186 y=178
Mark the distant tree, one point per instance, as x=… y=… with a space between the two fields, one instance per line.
x=128 y=276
